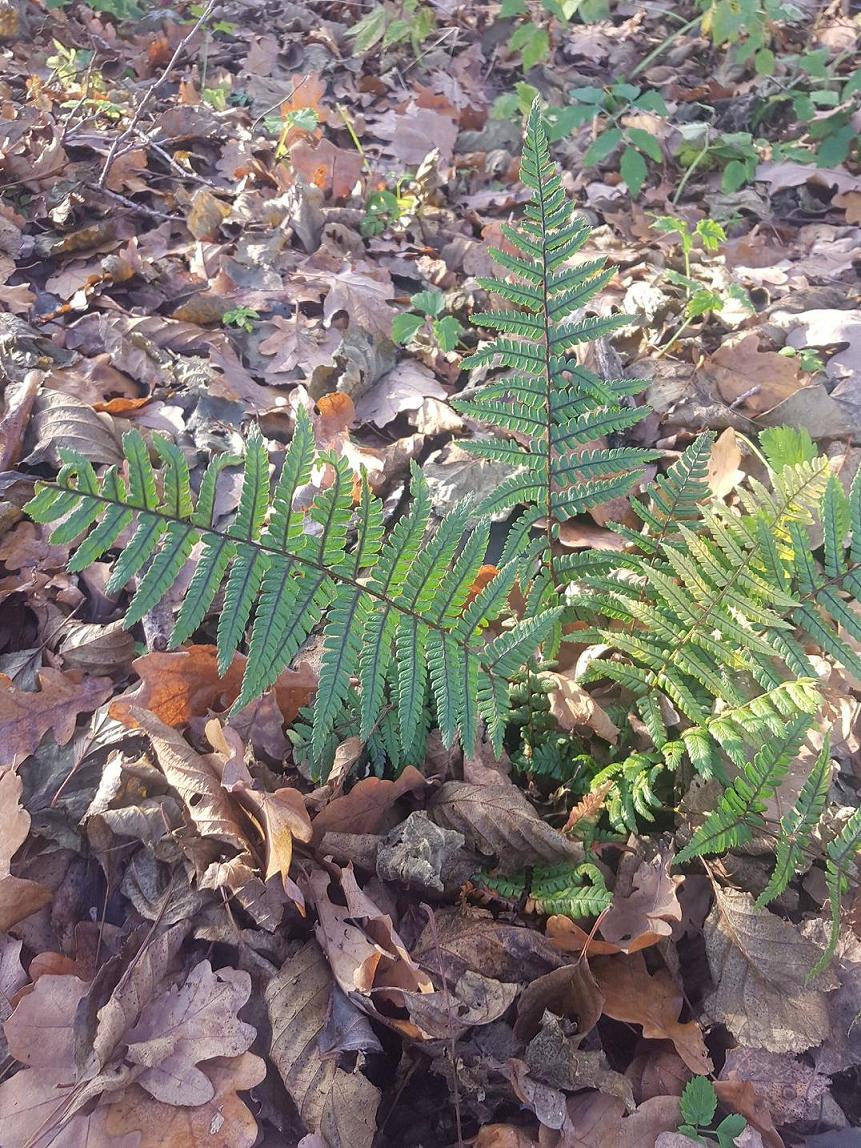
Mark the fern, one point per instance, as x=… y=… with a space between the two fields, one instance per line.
x=578 y=892
x=840 y=867
x=702 y=616
x=549 y=411
x=739 y=813
x=394 y=613
x=797 y=826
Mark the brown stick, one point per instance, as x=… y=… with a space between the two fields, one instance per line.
x=150 y=92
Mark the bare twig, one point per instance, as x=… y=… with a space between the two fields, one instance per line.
x=130 y=204
x=125 y=136
x=175 y=165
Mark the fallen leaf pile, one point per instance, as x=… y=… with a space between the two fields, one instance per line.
x=211 y=217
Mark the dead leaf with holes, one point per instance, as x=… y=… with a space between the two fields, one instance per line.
x=500 y=822
x=759 y=965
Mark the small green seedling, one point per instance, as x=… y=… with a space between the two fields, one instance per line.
x=243 y=318
x=387 y=210
x=607 y=109
x=700 y=299
x=385 y=27
x=698 y=1104
x=427 y=317
x=808 y=358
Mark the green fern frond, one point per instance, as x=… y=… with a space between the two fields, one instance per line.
x=739 y=812
x=579 y=892
x=797 y=826
x=703 y=615
x=548 y=409
x=393 y=612
x=841 y=857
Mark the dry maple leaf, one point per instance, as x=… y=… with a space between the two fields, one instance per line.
x=185 y=1025
x=19 y=898
x=759 y=964
x=26 y=716
x=340 y=1105
x=654 y=1002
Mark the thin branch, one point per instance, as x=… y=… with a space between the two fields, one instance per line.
x=151 y=90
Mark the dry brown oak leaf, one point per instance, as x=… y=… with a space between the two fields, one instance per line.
x=19 y=898
x=26 y=715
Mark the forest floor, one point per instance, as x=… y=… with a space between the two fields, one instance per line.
x=210 y=216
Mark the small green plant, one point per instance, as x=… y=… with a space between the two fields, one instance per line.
x=243 y=318
x=746 y=27
x=387 y=25
x=532 y=37
x=826 y=104
x=700 y=299
x=808 y=358
x=286 y=127
x=394 y=209
x=606 y=109
x=698 y=1105
x=119 y=9
x=426 y=321
x=735 y=154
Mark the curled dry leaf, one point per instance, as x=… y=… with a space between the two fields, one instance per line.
x=19 y=898
x=197 y=779
x=25 y=716
x=654 y=1002
x=339 y=1105
x=499 y=821
x=367 y=956
x=759 y=965
x=647 y=914
x=570 y=992
x=573 y=707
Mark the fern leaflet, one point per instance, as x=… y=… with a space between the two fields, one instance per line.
x=394 y=613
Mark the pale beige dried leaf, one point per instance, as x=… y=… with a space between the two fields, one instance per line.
x=759 y=964
x=197 y=779
x=19 y=898
x=341 y=1106
x=499 y=821
x=62 y=421
x=183 y=1026
x=650 y=909
x=137 y=986
x=724 y=474
x=572 y=706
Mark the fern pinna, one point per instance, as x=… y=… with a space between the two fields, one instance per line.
x=701 y=619
x=550 y=412
x=395 y=613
